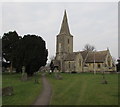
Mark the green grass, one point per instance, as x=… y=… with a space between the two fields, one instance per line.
x=84 y=89
x=25 y=92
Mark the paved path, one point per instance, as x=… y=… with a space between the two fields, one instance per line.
x=45 y=96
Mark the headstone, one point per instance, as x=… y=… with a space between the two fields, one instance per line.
x=57 y=74
x=7 y=91
x=24 y=77
x=36 y=77
x=23 y=70
x=104 y=81
x=60 y=77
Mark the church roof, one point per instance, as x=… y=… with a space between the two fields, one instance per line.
x=71 y=56
x=98 y=56
x=64 y=27
x=84 y=54
x=88 y=57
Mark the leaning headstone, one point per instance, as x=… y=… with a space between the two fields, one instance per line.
x=7 y=91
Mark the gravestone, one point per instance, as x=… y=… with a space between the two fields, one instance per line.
x=59 y=77
x=57 y=74
x=36 y=77
x=7 y=91
x=104 y=81
x=24 y=75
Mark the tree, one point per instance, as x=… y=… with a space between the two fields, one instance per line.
x=88 y=47
x=0 y=52
x=0 y=48
x=31 y=52
x=9 y=42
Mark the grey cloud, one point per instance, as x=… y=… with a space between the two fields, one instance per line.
x=94 y=23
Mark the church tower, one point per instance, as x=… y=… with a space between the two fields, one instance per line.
x=64 y=41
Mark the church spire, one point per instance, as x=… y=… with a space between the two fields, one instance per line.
x=64 y=27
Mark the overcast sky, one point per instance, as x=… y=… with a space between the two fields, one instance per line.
x=89 y=22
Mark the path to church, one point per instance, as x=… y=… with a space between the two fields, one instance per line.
x=45 y=96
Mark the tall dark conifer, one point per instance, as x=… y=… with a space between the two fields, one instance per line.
x=29 y=51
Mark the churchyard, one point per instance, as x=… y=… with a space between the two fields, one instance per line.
x=27 y=54
x=84 y=89
x=24 y=92
x=72 y=89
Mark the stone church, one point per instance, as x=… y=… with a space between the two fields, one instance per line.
x=83 y=61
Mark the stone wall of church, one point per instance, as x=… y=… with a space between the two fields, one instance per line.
x=78 y=63
x=69 y=66
x=98 y=67
x=94 y=67
x=64 y=44
x=75 y=65
x=68 y=44
x=109 y=64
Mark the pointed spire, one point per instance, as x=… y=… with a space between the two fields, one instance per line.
x=64 y=27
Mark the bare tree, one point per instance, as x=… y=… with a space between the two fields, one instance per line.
x=89 y=47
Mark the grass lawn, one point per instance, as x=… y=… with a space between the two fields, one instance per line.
x=25 y=92
x=84 y=89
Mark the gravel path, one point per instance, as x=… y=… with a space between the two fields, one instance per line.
x=45 y=96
